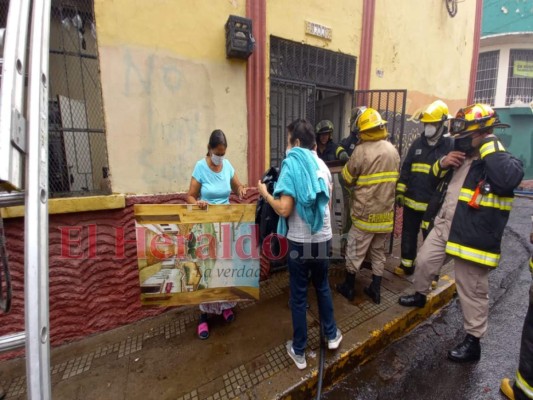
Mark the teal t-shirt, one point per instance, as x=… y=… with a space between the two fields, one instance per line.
x=216 y=186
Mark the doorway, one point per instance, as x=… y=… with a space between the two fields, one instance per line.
x=307 y=82
x=330 y=105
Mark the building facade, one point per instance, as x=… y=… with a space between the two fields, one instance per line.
x=165 y=82
x=505 y=72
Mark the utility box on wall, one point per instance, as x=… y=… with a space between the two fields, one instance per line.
x=239 y=39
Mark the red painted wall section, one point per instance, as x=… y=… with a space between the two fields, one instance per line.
x=367 y=35
x=94 y=284
x=255 y=92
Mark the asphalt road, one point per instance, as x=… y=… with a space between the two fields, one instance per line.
x=416 y=367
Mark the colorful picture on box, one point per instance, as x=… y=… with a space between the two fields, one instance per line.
x=190 y=256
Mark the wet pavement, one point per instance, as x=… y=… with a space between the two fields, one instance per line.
x=416 y=366
x=161 y=358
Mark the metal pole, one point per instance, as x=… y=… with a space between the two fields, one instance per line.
x=12 y=130
x=36 y=217
x=12 y=342
x=12 y=199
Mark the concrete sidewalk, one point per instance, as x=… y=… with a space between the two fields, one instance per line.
x=161 y=358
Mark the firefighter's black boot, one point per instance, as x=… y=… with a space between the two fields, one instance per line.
x=413 y=300
x=347 y=288
x=374 y=290
x=468 y=350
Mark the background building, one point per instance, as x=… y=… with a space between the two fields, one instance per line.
x=505 y=72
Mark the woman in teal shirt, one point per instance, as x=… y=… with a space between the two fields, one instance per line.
x=212 y=181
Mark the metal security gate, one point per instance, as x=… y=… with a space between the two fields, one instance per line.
x=391 y=106
x=299 y=74
x=288 y=101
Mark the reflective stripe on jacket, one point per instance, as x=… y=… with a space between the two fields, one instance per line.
x=371 y=174
x=476 y=232
x=415 y=182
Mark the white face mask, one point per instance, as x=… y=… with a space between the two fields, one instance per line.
x=430 y=130
x=217 y=160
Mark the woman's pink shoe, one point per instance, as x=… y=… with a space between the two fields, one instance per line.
x=228 y=315
x=203 y=330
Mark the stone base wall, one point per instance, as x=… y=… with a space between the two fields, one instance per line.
x=94 y=279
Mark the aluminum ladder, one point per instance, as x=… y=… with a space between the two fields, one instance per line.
x=24 y=173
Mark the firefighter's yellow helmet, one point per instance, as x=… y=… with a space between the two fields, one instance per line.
x=435 y=112
x=475 y=118
x=369 y=119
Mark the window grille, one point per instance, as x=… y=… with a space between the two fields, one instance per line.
x=304 y=63
x=78 y=163
x=520 y=77
x=487 y=76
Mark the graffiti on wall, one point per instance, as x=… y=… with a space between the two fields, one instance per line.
x=161 y=113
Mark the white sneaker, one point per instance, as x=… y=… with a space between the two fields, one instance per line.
x=298 y=360
x=334 y=343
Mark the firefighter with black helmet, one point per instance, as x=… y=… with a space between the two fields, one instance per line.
x=344 y=151
x=326 y=148
x=468 y=227
x=415 y=187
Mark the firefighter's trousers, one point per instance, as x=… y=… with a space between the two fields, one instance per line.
x=361 y=242
x=410 y=228
x=523 y=387
x=471 y=279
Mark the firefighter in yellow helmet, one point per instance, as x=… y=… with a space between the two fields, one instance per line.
x=415 y=187
x=470 y=210
x=371 y=174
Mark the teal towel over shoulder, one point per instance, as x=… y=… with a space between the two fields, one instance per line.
x=300 y=179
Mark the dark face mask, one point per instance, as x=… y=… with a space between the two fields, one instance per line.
x=464 y=145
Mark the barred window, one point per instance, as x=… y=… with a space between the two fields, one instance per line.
x=487 y=75
x=520 y=77
x=78 y=163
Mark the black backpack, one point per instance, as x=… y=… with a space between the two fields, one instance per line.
x=267 y=219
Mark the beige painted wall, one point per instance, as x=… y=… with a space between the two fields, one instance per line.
x=286 y=19
x=166 y=85
x=419 y=47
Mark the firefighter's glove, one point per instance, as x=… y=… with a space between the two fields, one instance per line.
x=343 y=156
x=400 y=199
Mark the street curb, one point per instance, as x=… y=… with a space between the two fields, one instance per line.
x=365 y=344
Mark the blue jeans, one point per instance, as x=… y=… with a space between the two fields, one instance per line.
x=309 y=259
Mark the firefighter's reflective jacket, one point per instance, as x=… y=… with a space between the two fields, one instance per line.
x=371 y=173
x=415 y=182
x=484 y=204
